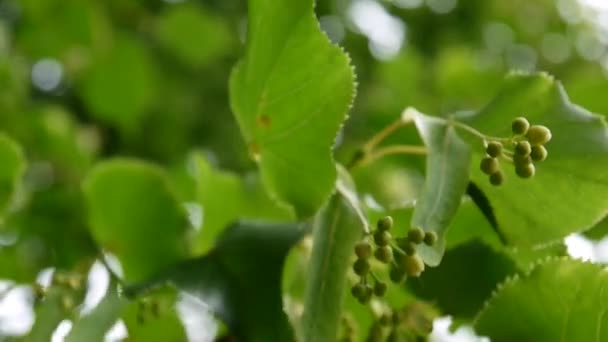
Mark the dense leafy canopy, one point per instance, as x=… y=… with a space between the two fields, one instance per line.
x=192 y=153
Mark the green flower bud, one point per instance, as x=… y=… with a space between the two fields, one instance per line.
x=523 y=148
x=385 y=223
x=363 y=250
x=521 y=160
x=380 y=289
x=361 y=267
x=358 y=290
x=494 y=149
x=430 y=238
x=397 y=275
x=415 y=235
x=489 y=165
x=538 y=135
x=520 y=126
x=538 y=153
x=408 y=247
x=382 y=237
x=367 y=294
x=412 y=265
x=497 y=178
x=384 y=254
x=525 y=171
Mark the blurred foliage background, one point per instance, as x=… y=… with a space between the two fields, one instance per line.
x=84 y=80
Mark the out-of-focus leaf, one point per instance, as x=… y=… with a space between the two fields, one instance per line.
x=290 y=94
x=93 y=326
x=12 y=168
x=49 y=314
x=337 y=227
x=240 y=279
x=196 y=37
x=447 y=176
x=225 y=197
x=539 y=210
x=121 y=85
x=134 y=214
x=559 y=300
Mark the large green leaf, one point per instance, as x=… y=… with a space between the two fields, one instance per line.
x=559 y=300
x=225 y=197
x=12 y=167
x=337 y=227
x=240 y=279
x=134 y=214
x=568 y=192
x=447 y=176
x=290 y=94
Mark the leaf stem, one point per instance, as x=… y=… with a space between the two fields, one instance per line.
x=389 y=150
x=475 y=132
x=383 y=134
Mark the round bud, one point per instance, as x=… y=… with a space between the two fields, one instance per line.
x=520 y=126
x=367 y=294
x=489 y=165
x=525 y=171
x=538 y=153
x=382 y=237
x=497 y=178
x=408 y=247
x=380 y=289
x=363 y=250
x=430 y=238
x=384 y=254
x=358 y=290
x=361 y=267
x=538 y=135
x=385 y=223
x=396 y=275
x=521 y=160
x=412 y=265
x=415 y=235
x=523 y=148
x=494 y=149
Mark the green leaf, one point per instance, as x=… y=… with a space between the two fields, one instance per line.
x=196 y=37
x=447 y=176
x=539 y=210
x=93 y=326
x=464 y=279
x=240 y=279
x=12 y=168
x=134 y=214
x=559 y=300
x=337 y=227
x=120 y=86
x=290 y=94
x=226 y=197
